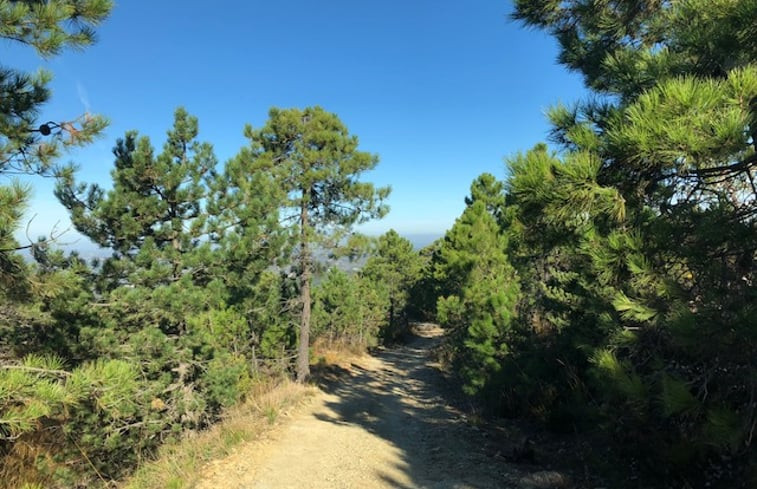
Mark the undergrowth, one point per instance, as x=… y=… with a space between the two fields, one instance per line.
x=181 y=465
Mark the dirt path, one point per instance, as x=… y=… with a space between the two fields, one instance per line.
x=384 y=424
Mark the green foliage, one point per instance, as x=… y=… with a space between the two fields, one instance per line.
x=676 y=397
x=424 y=292
x=348 y=309
x=490 y=191
x=48 y=27
x=104 y=362
x=153 y=216
x=29 y=391
x=25 y=146
x=606 y=286
x=226 y=380
x=162 y=335
x=392 y=272
x=53 y=25
x=37 y=392
x=472 y=262
x=93 y=405
x=630 y=253
x=12 y=206
x=197 y=298
x=311 y=154
x=316 y=163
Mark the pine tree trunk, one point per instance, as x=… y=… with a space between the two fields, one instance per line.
x=303 y=353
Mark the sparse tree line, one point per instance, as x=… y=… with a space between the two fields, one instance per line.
x=608 y=286
x=207 y=286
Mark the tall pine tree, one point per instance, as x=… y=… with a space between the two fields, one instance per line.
x=317 y=163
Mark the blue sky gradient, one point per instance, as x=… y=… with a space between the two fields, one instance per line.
x=442 y=90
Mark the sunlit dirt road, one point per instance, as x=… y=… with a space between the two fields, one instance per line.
x=383 y=424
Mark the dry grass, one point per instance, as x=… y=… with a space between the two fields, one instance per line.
x=180 y=465
x=331 y=353
x=30 y=459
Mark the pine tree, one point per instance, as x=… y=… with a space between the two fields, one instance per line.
x=157 y=301
x=250 y=244
x=47 y=27
x=394 y=268
x=188 y=300
x=481 y=293
x=33 y=386
x=153 y=217
x=491 y=192
x=26 y=146
x=645 y=228
x=347 y=309
x=317 y=163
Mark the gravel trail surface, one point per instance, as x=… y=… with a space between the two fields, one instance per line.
x=383 y=423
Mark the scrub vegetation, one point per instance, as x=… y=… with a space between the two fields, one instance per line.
x=605 y=287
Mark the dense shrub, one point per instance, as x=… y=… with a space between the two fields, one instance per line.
x=633 y=246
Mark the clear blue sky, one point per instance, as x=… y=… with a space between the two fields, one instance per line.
x=442 y=90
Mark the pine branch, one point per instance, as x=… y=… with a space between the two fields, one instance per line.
x=741 y=166
x=62 y=373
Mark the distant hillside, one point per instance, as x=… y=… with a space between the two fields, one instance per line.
x=422 y=240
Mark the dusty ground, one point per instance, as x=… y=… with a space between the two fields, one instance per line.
x=384 y=424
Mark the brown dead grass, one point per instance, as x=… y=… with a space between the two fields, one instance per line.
x=336 y=352
x=182 y=465
x=31 y=458
x=333 y=360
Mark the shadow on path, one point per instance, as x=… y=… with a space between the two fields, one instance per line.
x=401 y=400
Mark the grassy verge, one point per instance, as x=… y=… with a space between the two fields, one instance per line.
x=180 y=465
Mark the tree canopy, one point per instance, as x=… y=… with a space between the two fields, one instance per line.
x=316 y=162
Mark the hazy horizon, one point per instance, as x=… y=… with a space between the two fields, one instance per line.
x=440 y=91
